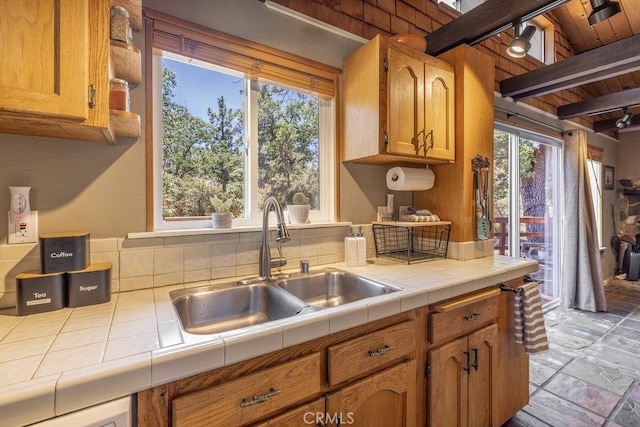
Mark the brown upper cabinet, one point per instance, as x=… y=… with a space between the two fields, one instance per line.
x=43 y=58
x=398 y=106
x=56 y=62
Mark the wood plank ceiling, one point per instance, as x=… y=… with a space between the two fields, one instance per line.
x=572 y=17
x=606 y=54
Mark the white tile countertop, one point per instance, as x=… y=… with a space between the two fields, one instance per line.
x=58 y=362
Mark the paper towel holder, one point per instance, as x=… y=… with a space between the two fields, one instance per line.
x=395 y=176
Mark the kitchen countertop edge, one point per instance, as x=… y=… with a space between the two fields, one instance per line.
x=80 y=388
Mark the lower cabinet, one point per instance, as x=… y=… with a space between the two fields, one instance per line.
x=477 y=374
x=512 y=379
x=461 y=380
x=311 y=414
x=454 y=363
x=365 y=376
x=386 y=399
x=249 y=398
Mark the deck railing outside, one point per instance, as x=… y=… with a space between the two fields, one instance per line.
x=501 y=235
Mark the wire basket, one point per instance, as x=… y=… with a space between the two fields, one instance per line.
x=410 y=242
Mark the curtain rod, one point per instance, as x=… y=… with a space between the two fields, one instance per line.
x=512 y=114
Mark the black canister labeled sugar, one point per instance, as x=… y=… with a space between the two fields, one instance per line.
x=89 y=286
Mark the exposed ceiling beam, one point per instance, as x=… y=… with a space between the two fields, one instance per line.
x=611 y=60
x=601 y=104
x=593 y=77
x=485 y=20
x=610 y=124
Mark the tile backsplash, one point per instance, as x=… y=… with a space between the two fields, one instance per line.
x=160 y=261
x=144 y=263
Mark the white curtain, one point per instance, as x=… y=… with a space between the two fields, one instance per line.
x=582 y=285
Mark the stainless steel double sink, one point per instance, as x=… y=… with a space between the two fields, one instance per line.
x=216 y=309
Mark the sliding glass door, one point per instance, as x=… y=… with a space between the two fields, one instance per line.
x=527 y=202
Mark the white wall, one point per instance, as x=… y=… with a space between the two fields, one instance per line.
x=629 y=155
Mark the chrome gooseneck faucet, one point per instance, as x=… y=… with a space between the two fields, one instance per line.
x=282 y=236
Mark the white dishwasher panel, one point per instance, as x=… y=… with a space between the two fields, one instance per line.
x=116 y=413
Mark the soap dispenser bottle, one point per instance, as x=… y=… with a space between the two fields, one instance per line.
x=361 y=244
x=351 y=249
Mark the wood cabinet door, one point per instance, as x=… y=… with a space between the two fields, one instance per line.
x=386 y=399
x=311 y=414
x=439 y=110
x=405 y=102
x=43 y=58
x=483 y=352
x=511 y=390
x=447 y=384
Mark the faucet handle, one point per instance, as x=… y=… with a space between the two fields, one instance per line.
x=280 y=261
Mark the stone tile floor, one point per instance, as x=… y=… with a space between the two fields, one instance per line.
x=591 y=374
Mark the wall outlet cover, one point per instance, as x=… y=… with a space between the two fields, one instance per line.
x=23 y=232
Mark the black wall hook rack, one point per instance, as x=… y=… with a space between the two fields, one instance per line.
x=506 y=288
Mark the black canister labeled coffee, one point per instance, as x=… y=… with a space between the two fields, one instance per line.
x=61 y=252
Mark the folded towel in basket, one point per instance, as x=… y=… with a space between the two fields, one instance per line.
x=529 y=320
x=413 y=211
x=419 y=218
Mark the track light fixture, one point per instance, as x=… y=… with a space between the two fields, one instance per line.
x=625 y=120
x=602 y=10
x=522 y=43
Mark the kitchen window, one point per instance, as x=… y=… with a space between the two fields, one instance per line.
x=235 y=121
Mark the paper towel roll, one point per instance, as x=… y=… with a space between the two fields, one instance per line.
x=410 y=179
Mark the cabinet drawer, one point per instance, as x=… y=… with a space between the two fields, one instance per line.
x=460 y=316
x=246 y=399
x=365 y=354
x=303 y=415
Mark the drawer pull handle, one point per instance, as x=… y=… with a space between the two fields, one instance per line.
x=474 y=316
x=259 y=399
x=381 y=351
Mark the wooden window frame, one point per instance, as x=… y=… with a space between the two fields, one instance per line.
x=253 y=60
